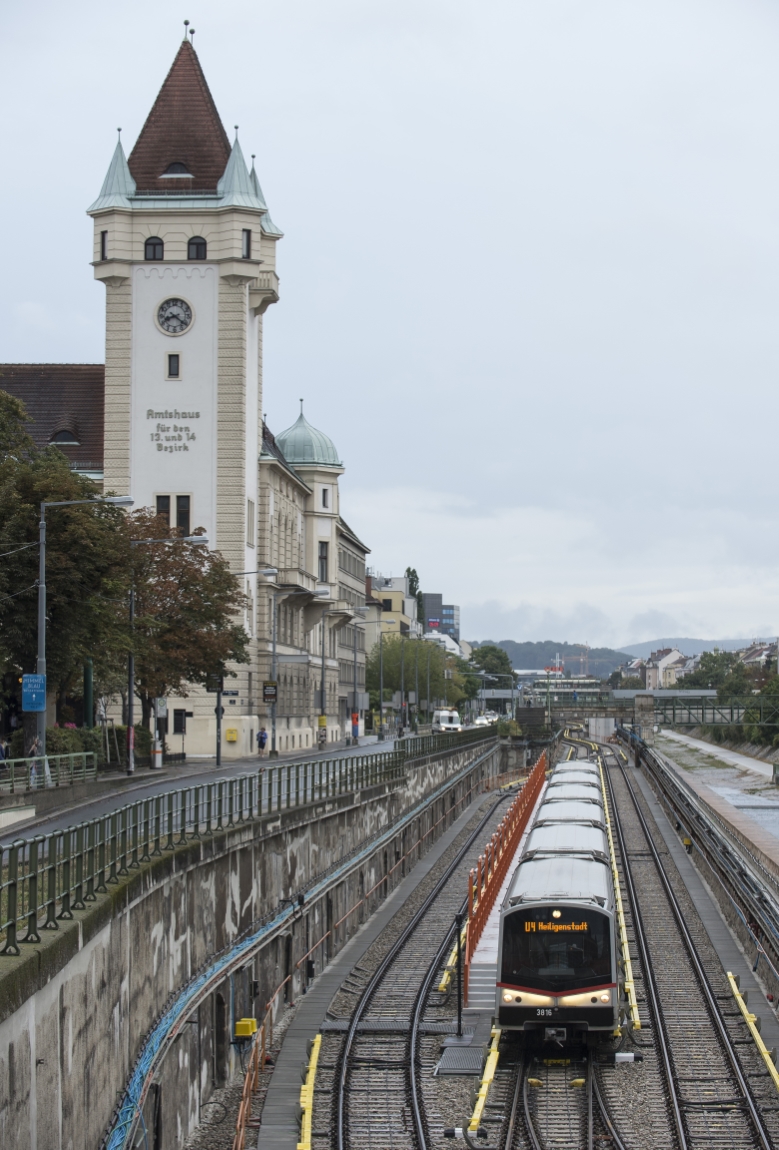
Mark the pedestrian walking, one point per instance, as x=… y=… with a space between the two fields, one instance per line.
x=262 y=740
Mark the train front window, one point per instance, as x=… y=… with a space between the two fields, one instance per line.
x=542 y=952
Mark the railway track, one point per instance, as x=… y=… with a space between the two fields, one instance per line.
x=373 y=1058
x=716 y=1093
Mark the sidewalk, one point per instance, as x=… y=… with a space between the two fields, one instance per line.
x=732 y=758
x=146 y=783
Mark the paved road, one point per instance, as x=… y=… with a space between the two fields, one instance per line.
x=149 y=783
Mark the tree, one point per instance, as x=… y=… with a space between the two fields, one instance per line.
x=187 y=608
x=415 y=593
x=87 y=560
x=413 y=653
x=492 y=659
x=715 y=667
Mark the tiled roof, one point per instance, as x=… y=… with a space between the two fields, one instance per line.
x=183 y=127
x=62 y=397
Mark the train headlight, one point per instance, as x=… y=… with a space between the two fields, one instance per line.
x=508 y=997
x=605 y=997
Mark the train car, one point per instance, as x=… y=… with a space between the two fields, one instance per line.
x=558 y=975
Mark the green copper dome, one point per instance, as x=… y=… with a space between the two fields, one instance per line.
x=303 y=444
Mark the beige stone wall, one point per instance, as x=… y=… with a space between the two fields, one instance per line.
x=118 y=393
x=231 y=423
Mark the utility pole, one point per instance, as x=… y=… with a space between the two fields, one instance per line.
x=416 y=680
x=402 y=684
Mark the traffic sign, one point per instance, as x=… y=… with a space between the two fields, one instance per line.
x=270 y=691
x=33 y=693
x=214 y=683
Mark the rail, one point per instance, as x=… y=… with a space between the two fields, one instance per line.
x=485 y=880
x=46 y=878
x=44 y=771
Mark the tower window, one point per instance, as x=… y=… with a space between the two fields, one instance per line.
x=325 y=497
x=64 y=437
x=323 y=549
x=163 y=508
x=182 y=514
x=246 y=244
x=176 y=169
x=250 y=522
x=153 y=249
x=196 y=248
x=174 y=366
x=104 y=245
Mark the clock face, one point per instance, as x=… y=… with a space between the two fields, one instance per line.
x=174 y=316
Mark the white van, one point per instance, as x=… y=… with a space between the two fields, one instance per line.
x=446 y=721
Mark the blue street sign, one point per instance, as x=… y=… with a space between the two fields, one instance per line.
x=33 y=692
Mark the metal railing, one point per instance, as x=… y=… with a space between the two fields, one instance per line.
x=45 y=771
x=46 y=878
x=754 y=710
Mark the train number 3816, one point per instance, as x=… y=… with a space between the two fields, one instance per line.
x=542 y=1013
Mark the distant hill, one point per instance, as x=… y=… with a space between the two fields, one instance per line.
x=535 y=656
x=686 y=646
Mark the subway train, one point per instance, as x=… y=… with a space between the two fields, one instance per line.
x=558 y=970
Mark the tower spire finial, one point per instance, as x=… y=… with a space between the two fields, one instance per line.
x=301 y=407
x=192 y=36
x=186 y=26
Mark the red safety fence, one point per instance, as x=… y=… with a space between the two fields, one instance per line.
x=486 y=878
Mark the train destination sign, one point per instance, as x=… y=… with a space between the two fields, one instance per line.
x=557 y=927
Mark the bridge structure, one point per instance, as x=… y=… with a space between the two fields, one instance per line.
x=671 y=709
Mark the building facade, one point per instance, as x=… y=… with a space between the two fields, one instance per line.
x=185 y=247
x=440 y=616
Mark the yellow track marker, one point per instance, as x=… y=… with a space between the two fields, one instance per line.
x=490 y=1067
x=307 y=1096
x=451 y=965
x=751 y=1020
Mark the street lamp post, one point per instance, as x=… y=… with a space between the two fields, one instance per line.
x=40 y=667
x=196 y=541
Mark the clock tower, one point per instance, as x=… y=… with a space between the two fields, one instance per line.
x=185 y=246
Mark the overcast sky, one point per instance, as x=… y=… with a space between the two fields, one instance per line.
x=530 y=276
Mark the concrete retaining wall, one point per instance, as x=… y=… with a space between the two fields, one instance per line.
x=74 y=1010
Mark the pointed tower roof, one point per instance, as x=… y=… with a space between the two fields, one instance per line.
x=183 y=131
x=266 y=223
x=118 y=185
x=236 y=187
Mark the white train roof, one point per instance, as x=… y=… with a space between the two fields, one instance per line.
x=562 y=877
x=567 y=838
x=570 y=811
x=584 y=777
x=563 y=790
